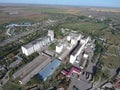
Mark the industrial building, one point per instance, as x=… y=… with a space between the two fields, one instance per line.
x=49 y=53
x=71 y=71
x=65 y=48
x=59 y=48
x=79 y=49
x=51 y=34
x=66 y=51
x=36 y=45
x=17 y=61
x=75 y=47
x=28 y=71
x=74 y=38
x=49 y=69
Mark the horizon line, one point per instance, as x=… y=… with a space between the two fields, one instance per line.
x=64 y=5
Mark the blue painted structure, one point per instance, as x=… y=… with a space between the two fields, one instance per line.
x=26 y=23
x=49 y=69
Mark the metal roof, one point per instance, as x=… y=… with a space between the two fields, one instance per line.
x=35 y=42
x=16 y=62
x=49 y=69
x=25 y=73
x=72 y=69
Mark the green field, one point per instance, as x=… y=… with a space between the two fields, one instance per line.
x=111 y=49
x=110 y=61
x=86 y=27
x=11 y=86
x=46 y=10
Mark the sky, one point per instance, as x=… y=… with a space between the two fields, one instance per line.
x=105 y=3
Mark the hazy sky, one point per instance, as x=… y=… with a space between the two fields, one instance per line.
x=106 y=3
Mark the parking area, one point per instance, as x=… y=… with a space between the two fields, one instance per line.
x=81 y=84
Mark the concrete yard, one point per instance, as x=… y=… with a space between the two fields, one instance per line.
x=81 y=84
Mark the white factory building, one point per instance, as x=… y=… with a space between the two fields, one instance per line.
x=74 y=38
x=36 y=45
x=79 y=49
x=64 y=48
x=59 y=48
x=51 y=34
x=76 y=43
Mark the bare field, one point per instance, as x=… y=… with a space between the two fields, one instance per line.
x=22 y=15
x=38 y=12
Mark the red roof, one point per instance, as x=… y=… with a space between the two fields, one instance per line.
x=64 y=72
x=72 y=70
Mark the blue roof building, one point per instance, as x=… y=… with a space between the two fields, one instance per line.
x=49 y=69
x=26 y=23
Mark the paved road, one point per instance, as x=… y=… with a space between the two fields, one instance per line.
x=8 y=32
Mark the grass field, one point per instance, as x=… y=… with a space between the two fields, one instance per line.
x=86 y=27
x=111 y=49
x=113 y=39
x=11 y=86
x=46 y=10
x=110 y=61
